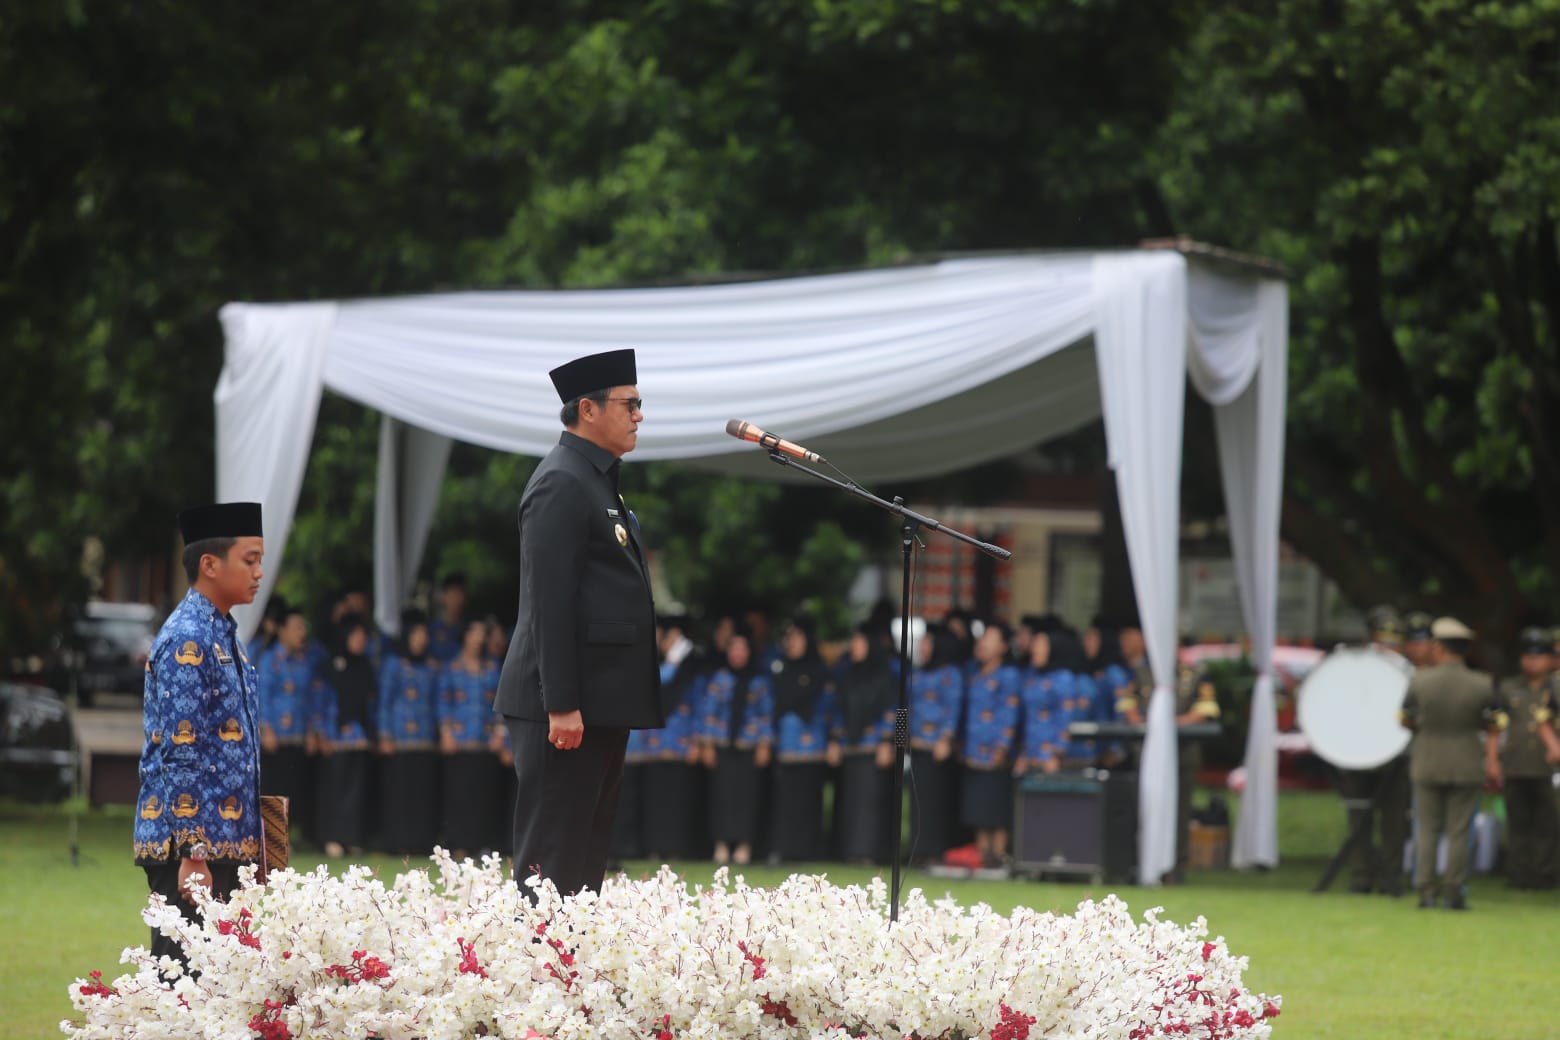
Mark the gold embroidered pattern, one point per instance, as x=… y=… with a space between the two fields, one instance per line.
x=189 y=653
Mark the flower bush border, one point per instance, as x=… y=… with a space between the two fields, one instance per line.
x=459 y=951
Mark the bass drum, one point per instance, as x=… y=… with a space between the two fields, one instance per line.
x=1348 y=707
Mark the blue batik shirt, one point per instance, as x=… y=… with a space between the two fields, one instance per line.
x=672 y=742
x=1085 y=706
x=407 y=712
x=200 y=763
x=1046 y=703
x=936 y=697
x=287 y=693
x=799 y=739
x=755 y=721
x=991 y=718
x=444 y=639
x=466 y=703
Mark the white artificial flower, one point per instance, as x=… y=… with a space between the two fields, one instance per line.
x=814 y=960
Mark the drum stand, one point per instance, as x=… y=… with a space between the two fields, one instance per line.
x=1362 y=825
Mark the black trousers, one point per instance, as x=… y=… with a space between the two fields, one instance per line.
x=931 y=825
x=1377 y=860
x=1530 y=832
x=343 y=796
x=564 y=804
x=163 y=879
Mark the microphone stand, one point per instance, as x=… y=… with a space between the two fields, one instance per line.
x=910 y=523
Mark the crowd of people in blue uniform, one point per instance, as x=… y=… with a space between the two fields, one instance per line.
x=775 y=747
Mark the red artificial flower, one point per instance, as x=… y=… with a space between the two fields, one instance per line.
x=469 y=965
x=1013 y=1025
x=759 y=971
x=778 y=1009
x=268 y=1024
x=97 y=987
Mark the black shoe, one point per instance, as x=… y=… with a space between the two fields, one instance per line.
x=1457 y=903
x=1427 y=902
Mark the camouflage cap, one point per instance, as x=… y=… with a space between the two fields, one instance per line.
x=1385 y=625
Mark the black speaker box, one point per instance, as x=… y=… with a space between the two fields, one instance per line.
x=1077 y=823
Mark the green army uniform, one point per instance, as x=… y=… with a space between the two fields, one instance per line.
x=1194 y=694
x=1378 y=801
x=1133 y=698
x=1531 y=829
x=1385 y=796
x=1449 y=706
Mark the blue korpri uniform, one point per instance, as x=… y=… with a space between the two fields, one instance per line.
x=200 y=765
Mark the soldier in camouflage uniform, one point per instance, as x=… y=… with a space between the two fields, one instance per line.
x=1381 y=794
x=1527 y=701
x=1196 y=701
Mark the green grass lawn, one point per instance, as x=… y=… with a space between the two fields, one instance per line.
x=1347 y=966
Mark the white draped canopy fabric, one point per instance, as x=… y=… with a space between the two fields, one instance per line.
x=895 y=373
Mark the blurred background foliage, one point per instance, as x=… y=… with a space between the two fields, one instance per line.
x=159 y=159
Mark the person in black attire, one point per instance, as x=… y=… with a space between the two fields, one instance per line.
x=736 y=739
x=407 y=724
x=582 y=668
x=343 y=723
x=671 y=773
x=868 y=694
x=804 y=719
x=936 y=707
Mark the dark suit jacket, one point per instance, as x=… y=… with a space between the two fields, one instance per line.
x=585 y=635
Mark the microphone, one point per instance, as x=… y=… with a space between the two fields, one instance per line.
x=745 y=431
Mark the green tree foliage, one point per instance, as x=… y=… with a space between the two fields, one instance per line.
x=1404 y=160
x=162 y=158
x=158 y=159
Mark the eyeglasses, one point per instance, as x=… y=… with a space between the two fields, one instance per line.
x=635 y=404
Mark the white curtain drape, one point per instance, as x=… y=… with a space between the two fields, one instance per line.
x=411 y=469
x=267 y=399
x=1140 y=339
x=1248 y=398
x=896 y=373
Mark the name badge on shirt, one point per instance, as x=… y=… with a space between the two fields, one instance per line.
x=222 y=655
x=613 y=513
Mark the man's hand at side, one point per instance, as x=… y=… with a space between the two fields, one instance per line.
x=188 y=868
x=565 y=729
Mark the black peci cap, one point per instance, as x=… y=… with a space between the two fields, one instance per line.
x=1535 y=640
x=220 y=520
x=594 y=372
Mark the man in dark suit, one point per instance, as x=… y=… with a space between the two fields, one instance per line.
x=582 y=668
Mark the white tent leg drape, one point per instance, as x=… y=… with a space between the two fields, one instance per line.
x=1251 y=452
x=267 y=399
x=411 y=470
x=1140 y=342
